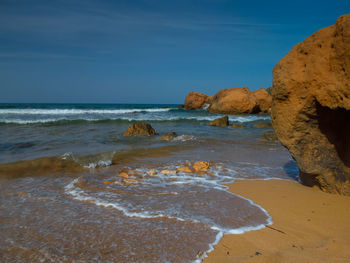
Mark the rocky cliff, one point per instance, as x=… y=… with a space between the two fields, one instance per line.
x=311 y=106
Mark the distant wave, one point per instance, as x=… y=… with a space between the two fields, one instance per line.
x=78 y=111
x=150 y=118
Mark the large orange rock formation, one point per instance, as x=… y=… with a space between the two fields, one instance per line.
x=196 y=100
x=311 y=106
x=263 y=99
x=234 y=101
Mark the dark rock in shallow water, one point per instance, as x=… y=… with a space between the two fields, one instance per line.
x=269 y=136
x=140 y=128
x=265 y=125
x=239 y=126
x=169 y=136
x=311 y=107
x=222 y=122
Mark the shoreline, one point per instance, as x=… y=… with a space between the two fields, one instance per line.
x=308 y=225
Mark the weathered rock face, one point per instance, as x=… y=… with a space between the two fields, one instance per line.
x=263 y=99
x=196 y=101
x=140 y=128
x=222 y=122
x=234 y=101
x=311 y=106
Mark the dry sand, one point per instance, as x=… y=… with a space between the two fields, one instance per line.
x=309 y=226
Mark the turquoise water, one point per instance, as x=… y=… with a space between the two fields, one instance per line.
x=57 y=162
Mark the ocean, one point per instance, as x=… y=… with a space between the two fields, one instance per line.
x=62 y=199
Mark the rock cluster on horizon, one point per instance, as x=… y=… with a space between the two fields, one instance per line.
x=231 y=101
x=311 y=106
x=196 y=101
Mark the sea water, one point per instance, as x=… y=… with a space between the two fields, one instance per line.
x=62 y=198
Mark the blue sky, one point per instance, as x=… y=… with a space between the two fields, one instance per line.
x=147 y=51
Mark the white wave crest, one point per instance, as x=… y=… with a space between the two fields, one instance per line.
x=77 y=111
x=100 y=163
x=26 y=119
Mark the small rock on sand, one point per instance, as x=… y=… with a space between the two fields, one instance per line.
x=168 y=172
x=201 y=166
x=129 y=181
x=152 y=172
x=184 y=169
x=123 y=175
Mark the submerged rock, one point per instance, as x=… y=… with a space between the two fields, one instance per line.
x=311 y=106
x=196 y=100
x=269 y=136
x=140 y=128
x=201 y=166
x=239 y=126
x=265 y=125
x=169 y=137
x=234 y=101
x=222 y=122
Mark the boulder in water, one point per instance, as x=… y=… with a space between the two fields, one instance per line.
x=222 y=122
x=140 y=128
x=169 y=137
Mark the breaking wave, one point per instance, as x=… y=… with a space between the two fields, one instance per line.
x=64 y=120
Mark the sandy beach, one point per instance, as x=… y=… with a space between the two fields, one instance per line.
x=309 y=226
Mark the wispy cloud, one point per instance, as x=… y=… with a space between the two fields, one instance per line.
x=94 y=29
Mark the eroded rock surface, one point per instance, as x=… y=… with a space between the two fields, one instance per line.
x=311 y=106
x=196 y=100
x=234 y=101
x=263 y=100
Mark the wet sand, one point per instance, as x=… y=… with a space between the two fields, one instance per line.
x=309 y=226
